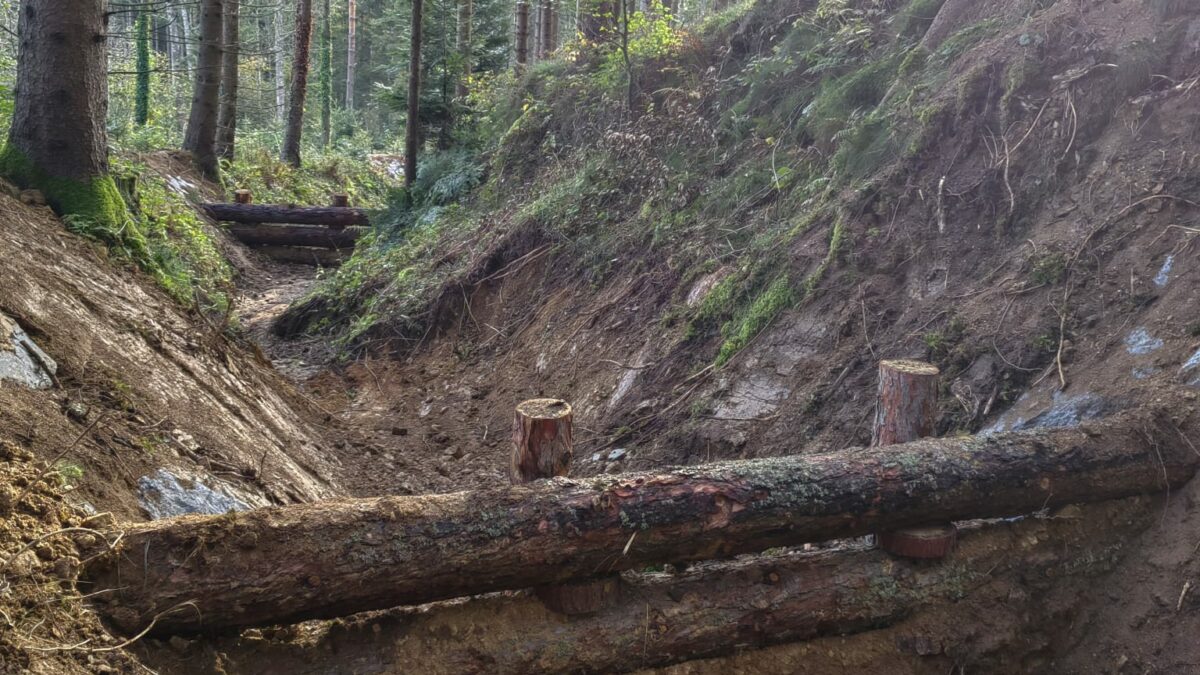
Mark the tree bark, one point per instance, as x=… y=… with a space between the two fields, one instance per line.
x=278 y=58
x=141 y=114
x=57 y=141
x=466 y=11
x=326 y=89
x=332 y=216
x=522 y=36
x=201 y=136
x=906 y=406
x=351 y=50
x=297 y=235
x=294 y=126
x=227 y=117
x=542 y=440
x=412 y=125
x=712 y=610
x=62 y=88
x=906 y=410
x=547 y=30
x=280 y=565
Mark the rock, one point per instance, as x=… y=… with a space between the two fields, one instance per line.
x=77 y=411
x=617 y=454
x=21 y=360
x=612 y=467
x=164 y=495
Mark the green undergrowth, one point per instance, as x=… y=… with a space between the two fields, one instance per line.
x=750 y=142
x=258 y=169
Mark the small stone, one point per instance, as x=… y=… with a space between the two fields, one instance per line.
x=77 y=411
x=24 y=564
x=617 y=455
x=455 y=452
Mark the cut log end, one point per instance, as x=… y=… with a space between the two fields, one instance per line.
x=920 y=542
x=910 y=367
x=578 y=598
x=242 y=197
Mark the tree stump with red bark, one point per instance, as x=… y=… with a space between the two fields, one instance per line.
x=340 y=200
x=906 y=410
x=542 y=448
x=242 y=197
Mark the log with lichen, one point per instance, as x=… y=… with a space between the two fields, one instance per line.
x=286 y=564
x=713 y=609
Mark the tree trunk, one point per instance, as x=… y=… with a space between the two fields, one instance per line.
x=299 y=84
x=281 y=565
x=351 y=50
x=710 y=611
x=522 y=37
x=326 y=88
x=57 y=142
x=295 y=215
x=141 y=112
x=201 y=136
x=906 y=410
x=466 y=10
x=278 y=59
x=297 y=235
x=412 y=125
x=542 y=443
x=227 y=118
x=547 y=30
x=906 y=406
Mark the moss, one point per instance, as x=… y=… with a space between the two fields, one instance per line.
x=96 y=200
x=769 y=304
x=915 y=19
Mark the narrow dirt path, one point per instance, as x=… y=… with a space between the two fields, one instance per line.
x=265 y=289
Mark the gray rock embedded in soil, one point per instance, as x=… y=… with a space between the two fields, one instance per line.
x=1066 y=411
x=21 y=360
x=164 y=495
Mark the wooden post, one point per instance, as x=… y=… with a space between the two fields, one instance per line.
x=242 y=197
x=340 y=200
x=542 y=448
x=906 y=410
x=522 y=36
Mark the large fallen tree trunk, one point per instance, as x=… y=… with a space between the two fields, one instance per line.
x=330 y=559
x=711 y=610
x=335 y=216
x=298 y=235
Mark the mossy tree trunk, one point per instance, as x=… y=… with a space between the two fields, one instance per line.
x=294 y=126
x=412 y=125
x=57 y=142
x=227 y=117
x=466 y=13
x=141 y=113
x=322 y=560
x=351 y=50
x=201 y=136
x=325 y=90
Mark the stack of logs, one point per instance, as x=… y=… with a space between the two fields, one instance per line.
x=570 y=539
x=315 y=235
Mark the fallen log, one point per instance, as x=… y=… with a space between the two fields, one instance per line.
x=321 y=560
x=306 y=255
x=297 y=235
x=334 y=216
x=711 y=610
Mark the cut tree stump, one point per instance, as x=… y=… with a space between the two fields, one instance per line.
x=542 y=448
x=293 y=215
x=328 y=559
x=297 y=235
x=542 y=440
x=242 y=197
x=906 y=410
x=340 y=200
